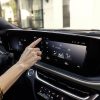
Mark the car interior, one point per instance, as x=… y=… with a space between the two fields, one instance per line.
x=69 y=68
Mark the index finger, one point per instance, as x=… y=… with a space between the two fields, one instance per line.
x=33 y=44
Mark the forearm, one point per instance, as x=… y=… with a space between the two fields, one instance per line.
x=29 y=57
x=10 y=76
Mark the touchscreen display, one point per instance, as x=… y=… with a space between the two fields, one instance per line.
x=72 y=54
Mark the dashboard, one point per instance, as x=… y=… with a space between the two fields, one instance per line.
x=69 y=69
x=72 y=52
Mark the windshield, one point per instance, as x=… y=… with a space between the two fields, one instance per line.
x=52 y=14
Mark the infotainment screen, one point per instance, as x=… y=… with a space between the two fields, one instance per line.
x=65 y=53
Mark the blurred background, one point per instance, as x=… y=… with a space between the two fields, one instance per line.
x=52 y=14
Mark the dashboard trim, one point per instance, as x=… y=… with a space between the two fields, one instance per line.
x=85 y=82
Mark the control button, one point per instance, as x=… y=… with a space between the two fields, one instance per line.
x=78 y=66
x=51 y=98
x=68 y=56
x=48 y=58
x=43 y=95
x=83 y=43
x=30 y=72
x=62 y=98
x=48 y=95
x=54 y=53
x=47 y=43
x=41 y=87
x=49 y=91
x=35 y=37
x=61 y=55
x=0 y=42
x=20 y=43
x=45 y=89
x=57 y=96
x=24 y=40
x=53 y=93
x=78 y=42
x=40 y=91
x=66 y=63
x=69 y=49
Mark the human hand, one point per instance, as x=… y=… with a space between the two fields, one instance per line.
x=30 y=55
